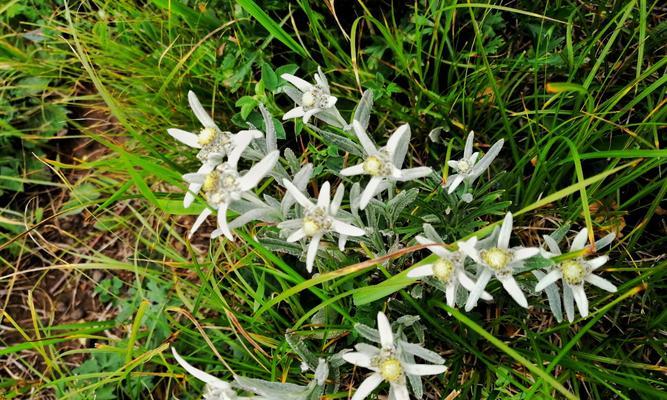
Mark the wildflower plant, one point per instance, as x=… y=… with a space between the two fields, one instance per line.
x=460 y=265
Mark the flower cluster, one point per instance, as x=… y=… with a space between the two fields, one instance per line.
x=461 y=270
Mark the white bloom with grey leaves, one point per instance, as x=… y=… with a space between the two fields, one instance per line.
x=313 y=100
x=501 y=261
x=318 y=219
x=574 y=272
x=388 y=364
x=383 y=164
x=225 y=185
x=215 y=389
x=448 y=268
x=468 y=168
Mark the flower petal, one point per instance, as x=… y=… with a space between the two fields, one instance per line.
x=455 y=180
x=548 y=280
x=199 y=111
x=411 y=174
x=486 y=161
x=185 y=137
x=580 y=298
x=397 y=145
x=384 y=328
x=258 y=171
x=312 y=252
x=552 y=245
x=353 y=170
x=199 y=374
x=450 y=294
x=324 y=199
x=601 y=283
x=476 y=292
x=364 y=139
x=360 y=359
x=421 y=271
x=424 y=369
x=337 y=199
x=296 y=235
x=367 y=386
x=298 y=82
x=297 y=194
x=597 y=262
x=342 y=240
x=370 y=191
x=522 y=253
x=440 y=251
x=240 y=142
x=509 y=283
x=400 y=391
x=467 y=151
x=200 y=220
x=347 y=229
x=222 y=221
x=505 y=231
x=453 y=164
x=568 y=302
x=580 y=240
x=469 y=249
x=308 y=114
x=296 y=112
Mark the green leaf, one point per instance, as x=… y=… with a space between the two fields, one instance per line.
x=269 y=77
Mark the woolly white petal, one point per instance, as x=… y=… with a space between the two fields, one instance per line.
x=324 y=199
x=505 y=231
x=331 y=101
x=337 y=199
x=597 y=262
x=296 y=112
x=398 y=140
x=601 y=283
x=298 y=82
x=400 y=391
x=568 y=302
x=358 y=358
x=450 y=294
x=297 y=194
x=548 y=279
x=199 y=374
x=522 y=253
x=552 y=245
x=414 y=173
x=199 y=111
x=437 y=250
x=453 y=164
x=308 y=114
x=467 y=151
x=581 y=299
x=476 y=292
x=510 y=285
x=421 y=271
x=384 y=328
x=296 y=235
x=200 y=220
x=342 y=240
x=258 y=171
x=240 y=141
x=424 y=369
x=468 y=248
x=486 y=161
x=222 y=221
x=370 y=191
x=364 y=139
x=185 y=137
x=312 y=252
x=580 y=240
x=367 y=386
x=455 y=180
x=353 y=170
x=347 y=229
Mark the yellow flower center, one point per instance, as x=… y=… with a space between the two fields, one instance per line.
x=310 y=226
x=308 y=99
x=211 y=182
x=442 y=269
x=496 y=258
x=573 y=272
x=206 y=136
x=463 y=166
x=373 y=166
x=228 y=181
x=391 y=369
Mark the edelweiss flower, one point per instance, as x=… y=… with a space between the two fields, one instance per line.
x=318 y=219
x=384 y=164
x=468 y=169
x=448 y=268
x=313 y=100
x=388 y=364
x=224 y=185
x=574 y=273
x=499 y=260
x=215 y=389
x=213 y=143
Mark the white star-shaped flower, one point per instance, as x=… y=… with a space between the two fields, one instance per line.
x=213 y=143
x=574 y=273
x=498 y=260
x=468 y=169
x=448 y=268
x=318 y=219
x=388 y=364
x=384 y=164
x=224 y=185
x=313 y=100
